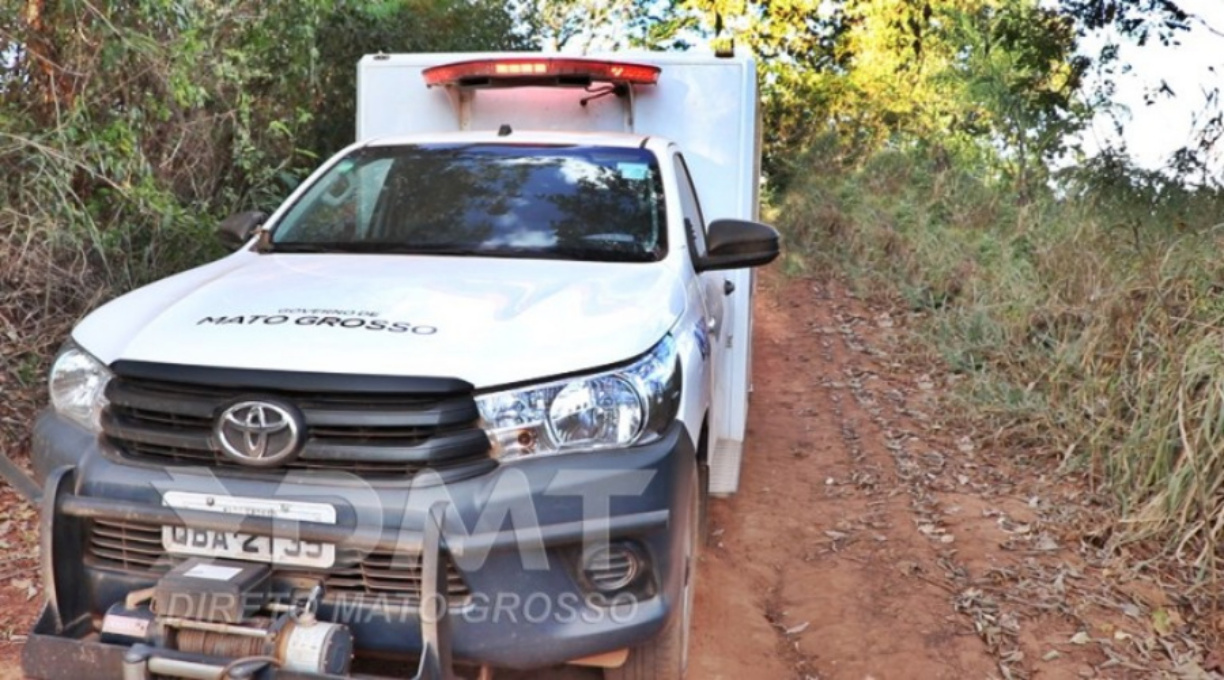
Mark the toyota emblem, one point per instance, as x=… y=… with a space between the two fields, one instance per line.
x=259 y=433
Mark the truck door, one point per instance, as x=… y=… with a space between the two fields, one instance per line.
x=711 y=282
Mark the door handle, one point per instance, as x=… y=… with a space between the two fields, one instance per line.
x=728 y=287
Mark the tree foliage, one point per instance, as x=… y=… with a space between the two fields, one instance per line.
x=603 y=25
x=1140 y=19
x=996 y=80
x=353 y=29
x=222 y=101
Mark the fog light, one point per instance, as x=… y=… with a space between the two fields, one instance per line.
x=612 y=567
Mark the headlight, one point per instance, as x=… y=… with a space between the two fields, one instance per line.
x=623 y=407
x=78 y=385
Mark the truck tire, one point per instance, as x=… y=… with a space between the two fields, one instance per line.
x=666 y=656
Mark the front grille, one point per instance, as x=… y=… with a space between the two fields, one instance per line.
x=385 y=574
x=127 y=546
x=382 y=576
x=368 y=434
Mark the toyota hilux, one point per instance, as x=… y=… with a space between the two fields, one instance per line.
x=455 y=406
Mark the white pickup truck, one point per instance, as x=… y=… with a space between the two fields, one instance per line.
x=454 y=407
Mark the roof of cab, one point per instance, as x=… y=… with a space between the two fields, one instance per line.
x=617 y=139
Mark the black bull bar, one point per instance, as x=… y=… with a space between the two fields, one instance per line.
x=58 y=648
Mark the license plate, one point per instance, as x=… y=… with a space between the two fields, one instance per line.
x=236 y=545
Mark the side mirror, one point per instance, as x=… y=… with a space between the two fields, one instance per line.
x=735 y=244
x=237 y=229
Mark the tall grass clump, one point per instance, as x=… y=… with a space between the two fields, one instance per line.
x=1087 y=323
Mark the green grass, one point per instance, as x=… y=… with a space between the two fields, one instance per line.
x=1090 y=330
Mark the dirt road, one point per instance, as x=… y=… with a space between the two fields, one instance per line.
x=817 y=569
x=866 y=542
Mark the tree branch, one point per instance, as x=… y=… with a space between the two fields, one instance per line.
x=1203 y=22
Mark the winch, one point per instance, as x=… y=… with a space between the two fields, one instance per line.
x=210 y=619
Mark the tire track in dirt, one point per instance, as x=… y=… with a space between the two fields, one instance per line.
x=817 y=569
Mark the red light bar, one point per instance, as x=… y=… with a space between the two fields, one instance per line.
x=560 y=71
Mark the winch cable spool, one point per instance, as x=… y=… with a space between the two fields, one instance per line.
x=216 y=643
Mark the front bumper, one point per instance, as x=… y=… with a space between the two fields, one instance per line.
x=64 y=650
x=515 y=535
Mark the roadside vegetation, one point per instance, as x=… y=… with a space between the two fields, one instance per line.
x=910 y=147
x=128 y=131
x=1085 y=328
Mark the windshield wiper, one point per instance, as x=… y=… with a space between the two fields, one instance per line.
x=422 y=248
x=581 y=254
x=302 y=248
x=370 y=247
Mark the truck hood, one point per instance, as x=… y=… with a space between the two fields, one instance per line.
x=484 y=320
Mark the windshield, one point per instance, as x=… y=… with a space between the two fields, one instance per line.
x=500 y=200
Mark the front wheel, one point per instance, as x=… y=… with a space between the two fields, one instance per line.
x=666 y=656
